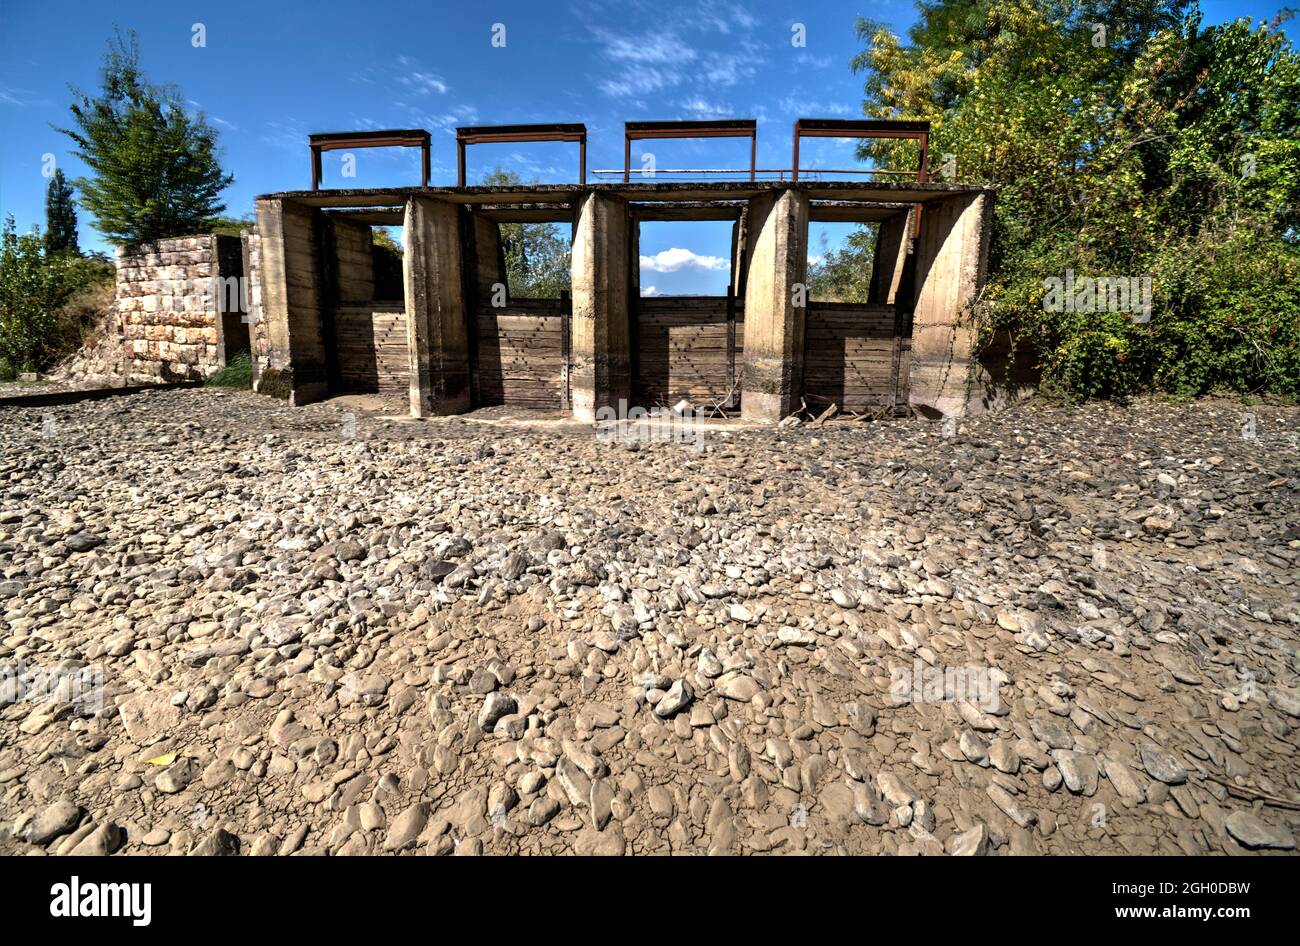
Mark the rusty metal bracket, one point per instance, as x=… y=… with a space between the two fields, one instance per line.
x=496 y=134
x=866 y=128
x=389 y=138
x=729 y=128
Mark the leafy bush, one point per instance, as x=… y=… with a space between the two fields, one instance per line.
x=1153 y=148
x=844 y=274
x=47 y=300
x=32 y=288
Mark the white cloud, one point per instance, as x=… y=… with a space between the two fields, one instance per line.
x=458 y=115
x=418 y=81
x=655 y=60
x=22 y=98
x=649 y=291
x=656 y=47
x=815 y=62
x=675 y=259
x=721 y=17
x=699 y=107
x=811 y=108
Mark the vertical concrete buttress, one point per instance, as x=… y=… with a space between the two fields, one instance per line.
x=775 y=304
x=436 y=317
x=951 y=265
x=601 y=357
x=893 y=244
x=489 y=261
x=292 y=301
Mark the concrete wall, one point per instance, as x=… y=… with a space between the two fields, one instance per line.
x=601 y=374
x=777 y=225
x=170 y=300
x=436 y=311
x=489 y=259
x=354 y=260
x=893 y=250
x=295 y=364
x=452 y=255
x=251 y=245
x=951 y=264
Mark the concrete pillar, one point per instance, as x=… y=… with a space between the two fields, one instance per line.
x=951 y=265
x=354 y=260
x=739 y=256
x=291 y=302
x=601 y=354
x=489 y=259
x=436 y=316
x=893 y=243
x=775 y=304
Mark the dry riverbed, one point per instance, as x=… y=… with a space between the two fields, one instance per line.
x=229 y=626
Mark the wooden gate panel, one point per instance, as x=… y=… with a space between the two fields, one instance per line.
x=854 y=356
x=371 y=347
x=521 y=354
x=687 y=347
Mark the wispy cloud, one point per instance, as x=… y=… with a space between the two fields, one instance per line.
x=456 y=115
x=417 y=80
x=290 y=135
x=722 y=17
x=676 y=259
x=811 y=108
x=649 y=291
x=656 y=60
x=814 y=62
x=699 y=107
x=22 y=98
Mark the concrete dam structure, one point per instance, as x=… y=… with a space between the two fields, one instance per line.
x=455 y=340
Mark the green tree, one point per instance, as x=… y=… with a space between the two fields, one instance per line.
x=230 y=226
x=60 y=216
x=537 y=254
x=386 y=254
x=1148 y=146
x=33 y=285
x=844 y=275
x=155 y=168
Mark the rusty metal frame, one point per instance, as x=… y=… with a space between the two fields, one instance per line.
x=867 y=128
x=496 y=134
x=727 y=128
x=862 y=128
x=387 y=138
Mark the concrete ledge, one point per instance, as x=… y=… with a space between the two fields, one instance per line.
x=55 y=398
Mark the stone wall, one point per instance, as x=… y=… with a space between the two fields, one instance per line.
x=170 y=299
x=261 y=346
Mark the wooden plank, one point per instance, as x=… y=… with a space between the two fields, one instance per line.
x=851 y=355
x=372 y=349
x=520 y=353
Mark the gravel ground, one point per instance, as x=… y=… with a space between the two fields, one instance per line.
x=229 y=626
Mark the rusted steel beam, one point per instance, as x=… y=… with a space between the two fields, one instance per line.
x=386 y=138
x=724 y=128
x=688 y=210
x=498 y=134
x=918 y=131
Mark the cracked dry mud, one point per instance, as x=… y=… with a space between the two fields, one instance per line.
x=328 y=633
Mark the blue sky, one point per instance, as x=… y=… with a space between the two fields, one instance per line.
x=275 y=70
